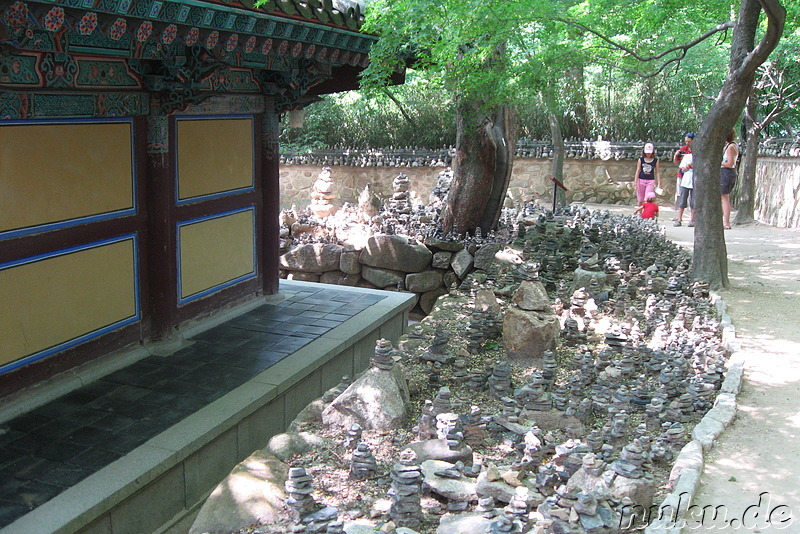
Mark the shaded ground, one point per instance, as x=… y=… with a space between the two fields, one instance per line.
x=759 y=452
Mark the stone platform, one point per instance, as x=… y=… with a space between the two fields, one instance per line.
x=138 y=449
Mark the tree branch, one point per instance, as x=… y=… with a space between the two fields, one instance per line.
x=776 y=17
x=397 y=103
x=683 y=47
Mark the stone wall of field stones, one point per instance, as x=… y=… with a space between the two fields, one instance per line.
x=592 y=180
x=390 y=262
x=778 y=192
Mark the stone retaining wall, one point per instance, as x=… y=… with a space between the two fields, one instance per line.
x=389 y=262
x=587 y=180
x=778 y=192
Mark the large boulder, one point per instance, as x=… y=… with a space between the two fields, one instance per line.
x=424 y=281
x=462 y=263
x=348 y=262
x=441 y=244
x=339 y=278
x=253 y=493
x=528 y=334
x=396 y=253
x=441 y=259
x=485 y=300
x=461 y=489
x=639 y=490
x=285 y=445
x=583 y=278
x=382 y=277
x=484 y=256
x=438 y=449
x=376 y=400
x=532 y=296
x=312 y=258
x=469 y=523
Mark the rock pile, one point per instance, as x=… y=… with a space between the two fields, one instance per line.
x=580 y=430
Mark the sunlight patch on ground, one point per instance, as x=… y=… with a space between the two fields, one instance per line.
x=772 y=370
x=794 y=420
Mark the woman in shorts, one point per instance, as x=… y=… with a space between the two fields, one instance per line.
x=727 y=177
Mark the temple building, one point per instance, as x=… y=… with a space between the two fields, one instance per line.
x=139 y=186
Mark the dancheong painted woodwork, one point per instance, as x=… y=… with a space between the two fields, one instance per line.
x=184 y=50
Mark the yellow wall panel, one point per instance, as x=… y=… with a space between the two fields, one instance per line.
x=56 y=299
x=57 y=172
x=216 y=251
x=214 y=156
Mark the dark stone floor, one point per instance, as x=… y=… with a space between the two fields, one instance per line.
x=55 y=446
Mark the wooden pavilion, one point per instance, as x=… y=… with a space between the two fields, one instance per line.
x=139 y=186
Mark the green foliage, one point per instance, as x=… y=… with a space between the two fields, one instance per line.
x=370 y=119
x=588 y=62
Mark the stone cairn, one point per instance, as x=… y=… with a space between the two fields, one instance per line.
x=460 y=372
x=630 y=460
x=475 y=427
x=363 y=463
x=500 y=380
x=447 y=424
x=437 y=352
x=518 y=506
x=483 y=326
x=399 y=203
x=406 y=491
x=353 y=437
x=382 y=359
x=299 y=488
x=503 y=524
x=532 y=397
x=442 y=402
x=322 y=194
x=426 y=425
x=336 y=390
x=486 y=506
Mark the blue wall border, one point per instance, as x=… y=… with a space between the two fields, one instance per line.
x=47 y=227
x=179 y=201
x=25 y=360
x=228 y=283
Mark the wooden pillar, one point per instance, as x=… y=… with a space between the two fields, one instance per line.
x=269 y=177
x=162 y=246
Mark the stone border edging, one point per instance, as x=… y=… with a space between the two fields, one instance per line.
x=689 y=465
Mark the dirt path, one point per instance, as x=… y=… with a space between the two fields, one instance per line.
x=760 y=451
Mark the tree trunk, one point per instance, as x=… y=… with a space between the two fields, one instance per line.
x=710 y=261
x=746 y=182
x=481 y=169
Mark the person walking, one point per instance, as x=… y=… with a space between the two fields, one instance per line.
x=677 y=158
x=648 y=174
x=727 y=176
x=687 y=191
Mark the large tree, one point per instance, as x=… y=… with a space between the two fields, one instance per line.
x=481 y=49
x=710 y=260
